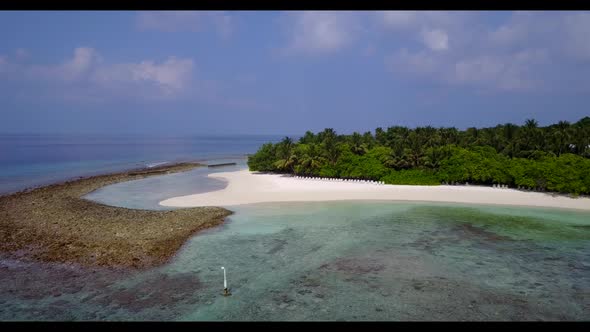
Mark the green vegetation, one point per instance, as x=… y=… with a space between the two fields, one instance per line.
x=554 y=158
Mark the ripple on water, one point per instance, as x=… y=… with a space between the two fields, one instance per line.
x=337 y=261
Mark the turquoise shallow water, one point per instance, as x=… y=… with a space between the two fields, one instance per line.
x=334 y=261
x=147 y=193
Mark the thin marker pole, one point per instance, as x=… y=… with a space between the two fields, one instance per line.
x=225 y=290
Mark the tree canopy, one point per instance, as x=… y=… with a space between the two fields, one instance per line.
x=552 y=158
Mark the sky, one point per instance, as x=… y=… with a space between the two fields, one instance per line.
x=269 y=72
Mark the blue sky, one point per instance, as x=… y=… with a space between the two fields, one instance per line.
x=287 y=72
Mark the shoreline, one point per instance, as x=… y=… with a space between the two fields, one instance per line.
x=53 y=223
x=91 y=174
x=245 y=187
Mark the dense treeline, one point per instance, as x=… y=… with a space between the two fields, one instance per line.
x=553 y=158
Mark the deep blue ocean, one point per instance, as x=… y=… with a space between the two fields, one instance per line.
x=29 y=160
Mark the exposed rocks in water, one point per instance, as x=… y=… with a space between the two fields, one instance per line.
x=54 y=224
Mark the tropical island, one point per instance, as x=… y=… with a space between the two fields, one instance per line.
x=554 y=158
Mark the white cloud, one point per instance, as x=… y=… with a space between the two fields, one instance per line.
x=321 y=32
x=86 y=78
x=563 y=33
x=511 y=72
x=512 y=56
x=84 y=60
x=435 y=39
x=170 y=77
x=174 y=21
x=86 y=69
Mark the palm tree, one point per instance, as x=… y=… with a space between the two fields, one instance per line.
x=561 y=136
x=285 y=147
x=530 y=136
x=287 y=159
x=327 y=134
x=510 y=135
x=471 y=136
x=429 y=136
x=531 y=124
x=329 y=144
x=397 y=139
x=417 y=142
x=310 y=160
x=448 y=135
x=357 y=146
x=308 y=138
x=368 y=140
x=288 y=164
x=433 y=157
x=380 y=137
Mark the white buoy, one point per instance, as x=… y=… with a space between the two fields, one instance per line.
x=225 y=290
x=224 y=278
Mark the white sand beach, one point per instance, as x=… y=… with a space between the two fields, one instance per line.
x=245 y=187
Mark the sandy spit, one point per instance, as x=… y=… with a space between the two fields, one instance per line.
x=245 y=187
